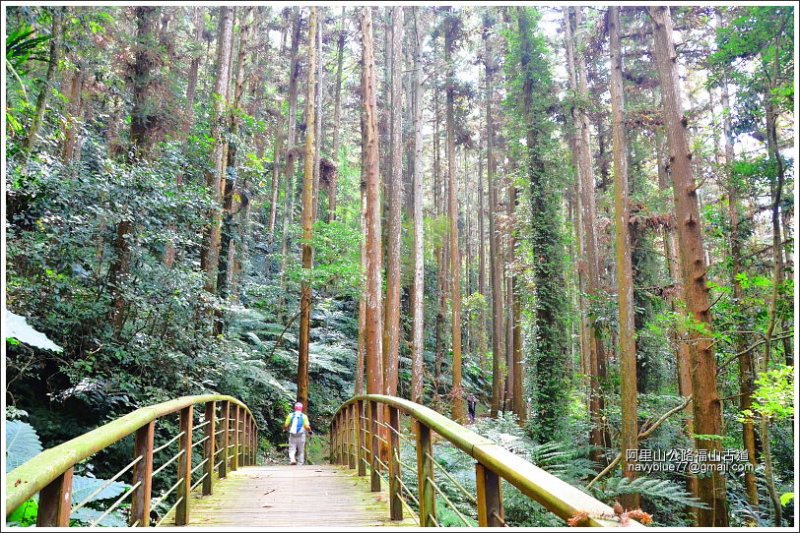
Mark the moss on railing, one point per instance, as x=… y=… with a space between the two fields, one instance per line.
x=34 y=475
x=557 y=496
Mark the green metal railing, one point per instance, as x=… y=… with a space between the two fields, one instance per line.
x=228 y=427
x=366 y=428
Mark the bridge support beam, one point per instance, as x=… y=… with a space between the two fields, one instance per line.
x=490 y=498
x=209 y=448
x=375 y=449
x=142 y=474
x=184 y=466
x=395 y=505
x=225 y=416
x=351 y=437
x=360 y=440
x=427 y=495
x=235 y=457
x=55 y=502
x=255 y=442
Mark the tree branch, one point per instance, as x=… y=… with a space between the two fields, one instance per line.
x=643 y=435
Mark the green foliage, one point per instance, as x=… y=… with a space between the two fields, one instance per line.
x=22 y=45
x=774 y=395
x=22 y=443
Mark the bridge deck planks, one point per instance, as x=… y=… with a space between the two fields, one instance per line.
x=290 y=496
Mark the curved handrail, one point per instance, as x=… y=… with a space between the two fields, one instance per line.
x=37 y=473
x=557 y=496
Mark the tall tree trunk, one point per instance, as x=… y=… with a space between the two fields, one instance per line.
x=371 y=179
x=746 y=364
x=194 y=66
x=496 y=265
x=291 y=157
x=452 y=202
x=706 y=403
x=227 y=251
x=337 y=116
x=482 y=325
x=319 y=115
x=629 y=434
x=418 y=316
x=550 y=343
x=441 y=270
x=44 y=93
x=209 y=256
x=308 y=215
x=776 y=191
x=74 y=115
x=583 y=162
x=141 y=141
x=391 y=355
x=146 y=61
x=277 y=154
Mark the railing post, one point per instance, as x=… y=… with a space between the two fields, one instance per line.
x=490 y=497
x=225 y=413
x=55 y=502
x=142 y=474
x=235 y=457
x=395 y=505
x=184 y=466
x=332 y=442
x=362 y=469
x=210 y=447
x=427 y=496
x=351 y=437
x=375 y=449
x=246 y=440
x=340 y=422
x=249 y=425
x=341 y=431
x=255 y=441
x=339 y=442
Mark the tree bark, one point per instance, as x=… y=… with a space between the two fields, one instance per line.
x=391 y=356
x=318 y=117
x=496 y=265
x=308 y=215
x=549 y=354
x=194 y=66
x=706 y=404
x=583 y=162
x=371 y=179
x=291 y=157
x=629 y=440
x=145 y=66
x=746 y=364
x=277 y=157
x=337 y=116
x=227 y=251
x=74 y=115
x=418 y=316
x=209 y=256
x=452 y=203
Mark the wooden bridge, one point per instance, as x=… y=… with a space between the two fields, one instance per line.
x=206 y=473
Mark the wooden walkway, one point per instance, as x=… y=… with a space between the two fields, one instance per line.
x=284 y=496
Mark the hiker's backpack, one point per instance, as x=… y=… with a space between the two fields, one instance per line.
x=296 y=425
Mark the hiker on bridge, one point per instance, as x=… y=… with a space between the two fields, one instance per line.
x=472 y=402
x=297 y=424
